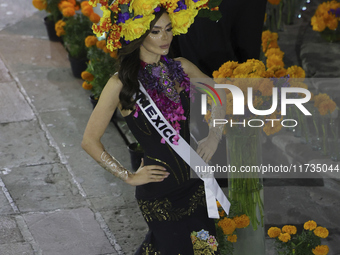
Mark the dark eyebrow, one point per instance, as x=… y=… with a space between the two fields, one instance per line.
x=161 y=27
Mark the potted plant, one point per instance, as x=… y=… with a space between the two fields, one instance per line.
x=101 y=66
x=74 y=28
x=51 y=7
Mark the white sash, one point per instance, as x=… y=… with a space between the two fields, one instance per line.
x=184 y=150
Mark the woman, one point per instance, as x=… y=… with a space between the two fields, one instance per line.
x=172 y=203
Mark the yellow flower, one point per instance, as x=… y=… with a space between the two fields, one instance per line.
x=143 y=7
x=296 y=72
x=274 y=232
x=87 y=76
x=90 y=41
x=87 y=85
x=318 y=24
x=221 y=213
x=241 y=221
x=182 y=20
x=284 y=237
x=40 y=4
x=318 y=99
x=274 y=51
x=320 y=250
x=232 y=238
x=289 y=229
x=269 y=40
x=226 y=70
x=274 y=60
x=133 y=29
x=228 y=226
x=327 y=106
x=321 y=232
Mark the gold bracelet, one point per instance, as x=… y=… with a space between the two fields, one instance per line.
x=110 y=164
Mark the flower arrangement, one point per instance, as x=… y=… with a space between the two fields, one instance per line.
x=308 y=242
x=75 y=27
x=226 y=228
x=326 y=19
x=101 y=65
x=50 y=6
x=203 y=243
x=129 y=20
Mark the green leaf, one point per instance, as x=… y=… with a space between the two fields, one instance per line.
x=214 y=3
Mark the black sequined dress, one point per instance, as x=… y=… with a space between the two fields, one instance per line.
x=175 y=207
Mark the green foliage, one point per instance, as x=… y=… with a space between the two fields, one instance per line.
x=52 y=8
x=102 y=67
x=225 y=247
x=77 y=28
x=301 y=244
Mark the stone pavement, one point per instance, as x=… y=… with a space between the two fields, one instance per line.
x=55 y=199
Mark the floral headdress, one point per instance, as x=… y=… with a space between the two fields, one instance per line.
x=130 y=19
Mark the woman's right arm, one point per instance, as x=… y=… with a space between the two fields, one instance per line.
x=96 y=126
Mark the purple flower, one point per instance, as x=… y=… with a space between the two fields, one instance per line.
x=157 y=9
x=336 y=12
x=138 y=17
x=122 y=17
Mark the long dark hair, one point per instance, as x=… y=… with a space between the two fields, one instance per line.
x=128 y=58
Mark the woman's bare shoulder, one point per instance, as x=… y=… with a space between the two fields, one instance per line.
x=114 y=82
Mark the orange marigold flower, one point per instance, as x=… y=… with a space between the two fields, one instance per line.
x=327 y=106
x=59 y=27
x=274 y=60
x=242 y=221
x=274 y=51
x=310 y=225
x=289 y=229
x=269 y=40
x=65 y=4
x=319 y=98
x=274 y=2
x=218 y=204
x=114 y=54
x=228 y=226
x=101 y=44
x=94 y=17
x=40 y=4
x=87 y=10
x=321 y=232
x=90 y=41
x=274 y=232
x=84 y=3
x=284 y=237
x=296 y=72
x=68 y=12
x=87 y=85
x=232 y=238
x=320 y=250
x=87 y=76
